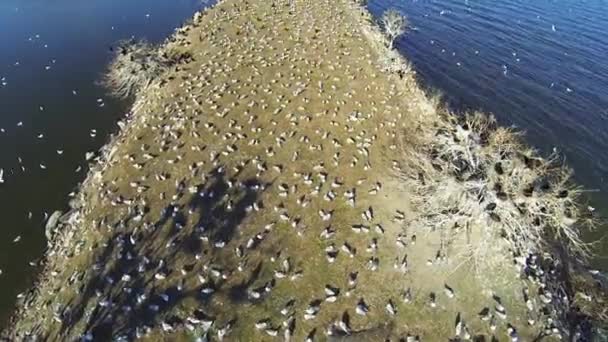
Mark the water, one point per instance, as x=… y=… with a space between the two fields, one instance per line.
x=537 y=65
x=51 y=56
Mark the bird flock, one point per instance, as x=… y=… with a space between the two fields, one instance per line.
x=250 y=195
x=33 y=149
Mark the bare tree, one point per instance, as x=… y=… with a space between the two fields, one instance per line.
x=394 y=25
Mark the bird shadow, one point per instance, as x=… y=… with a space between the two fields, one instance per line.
x=137 y=279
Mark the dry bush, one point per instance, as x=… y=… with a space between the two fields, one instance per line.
x=394 y=25
x=389 y=60
x=134 y=67
x=392 y=62
x=474 y=178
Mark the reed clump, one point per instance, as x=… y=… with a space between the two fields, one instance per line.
x=134 y=66
x=473 y=177
x=137 y=64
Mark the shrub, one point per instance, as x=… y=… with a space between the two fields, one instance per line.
x=394 y=25
x=475 y=178
x=134 y=67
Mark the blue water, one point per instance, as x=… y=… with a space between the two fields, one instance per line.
x=48 y=49
x=540 y=66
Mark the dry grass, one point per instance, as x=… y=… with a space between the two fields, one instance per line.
x=136 y=64
x=389 y=59
x=475 y=177
x=495 y=202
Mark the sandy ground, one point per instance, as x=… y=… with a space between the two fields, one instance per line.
x=256 y=184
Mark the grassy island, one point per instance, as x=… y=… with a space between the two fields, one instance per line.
x=282 y=175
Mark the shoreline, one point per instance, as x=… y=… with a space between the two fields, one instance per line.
x=63 y=229
x=424 y=113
